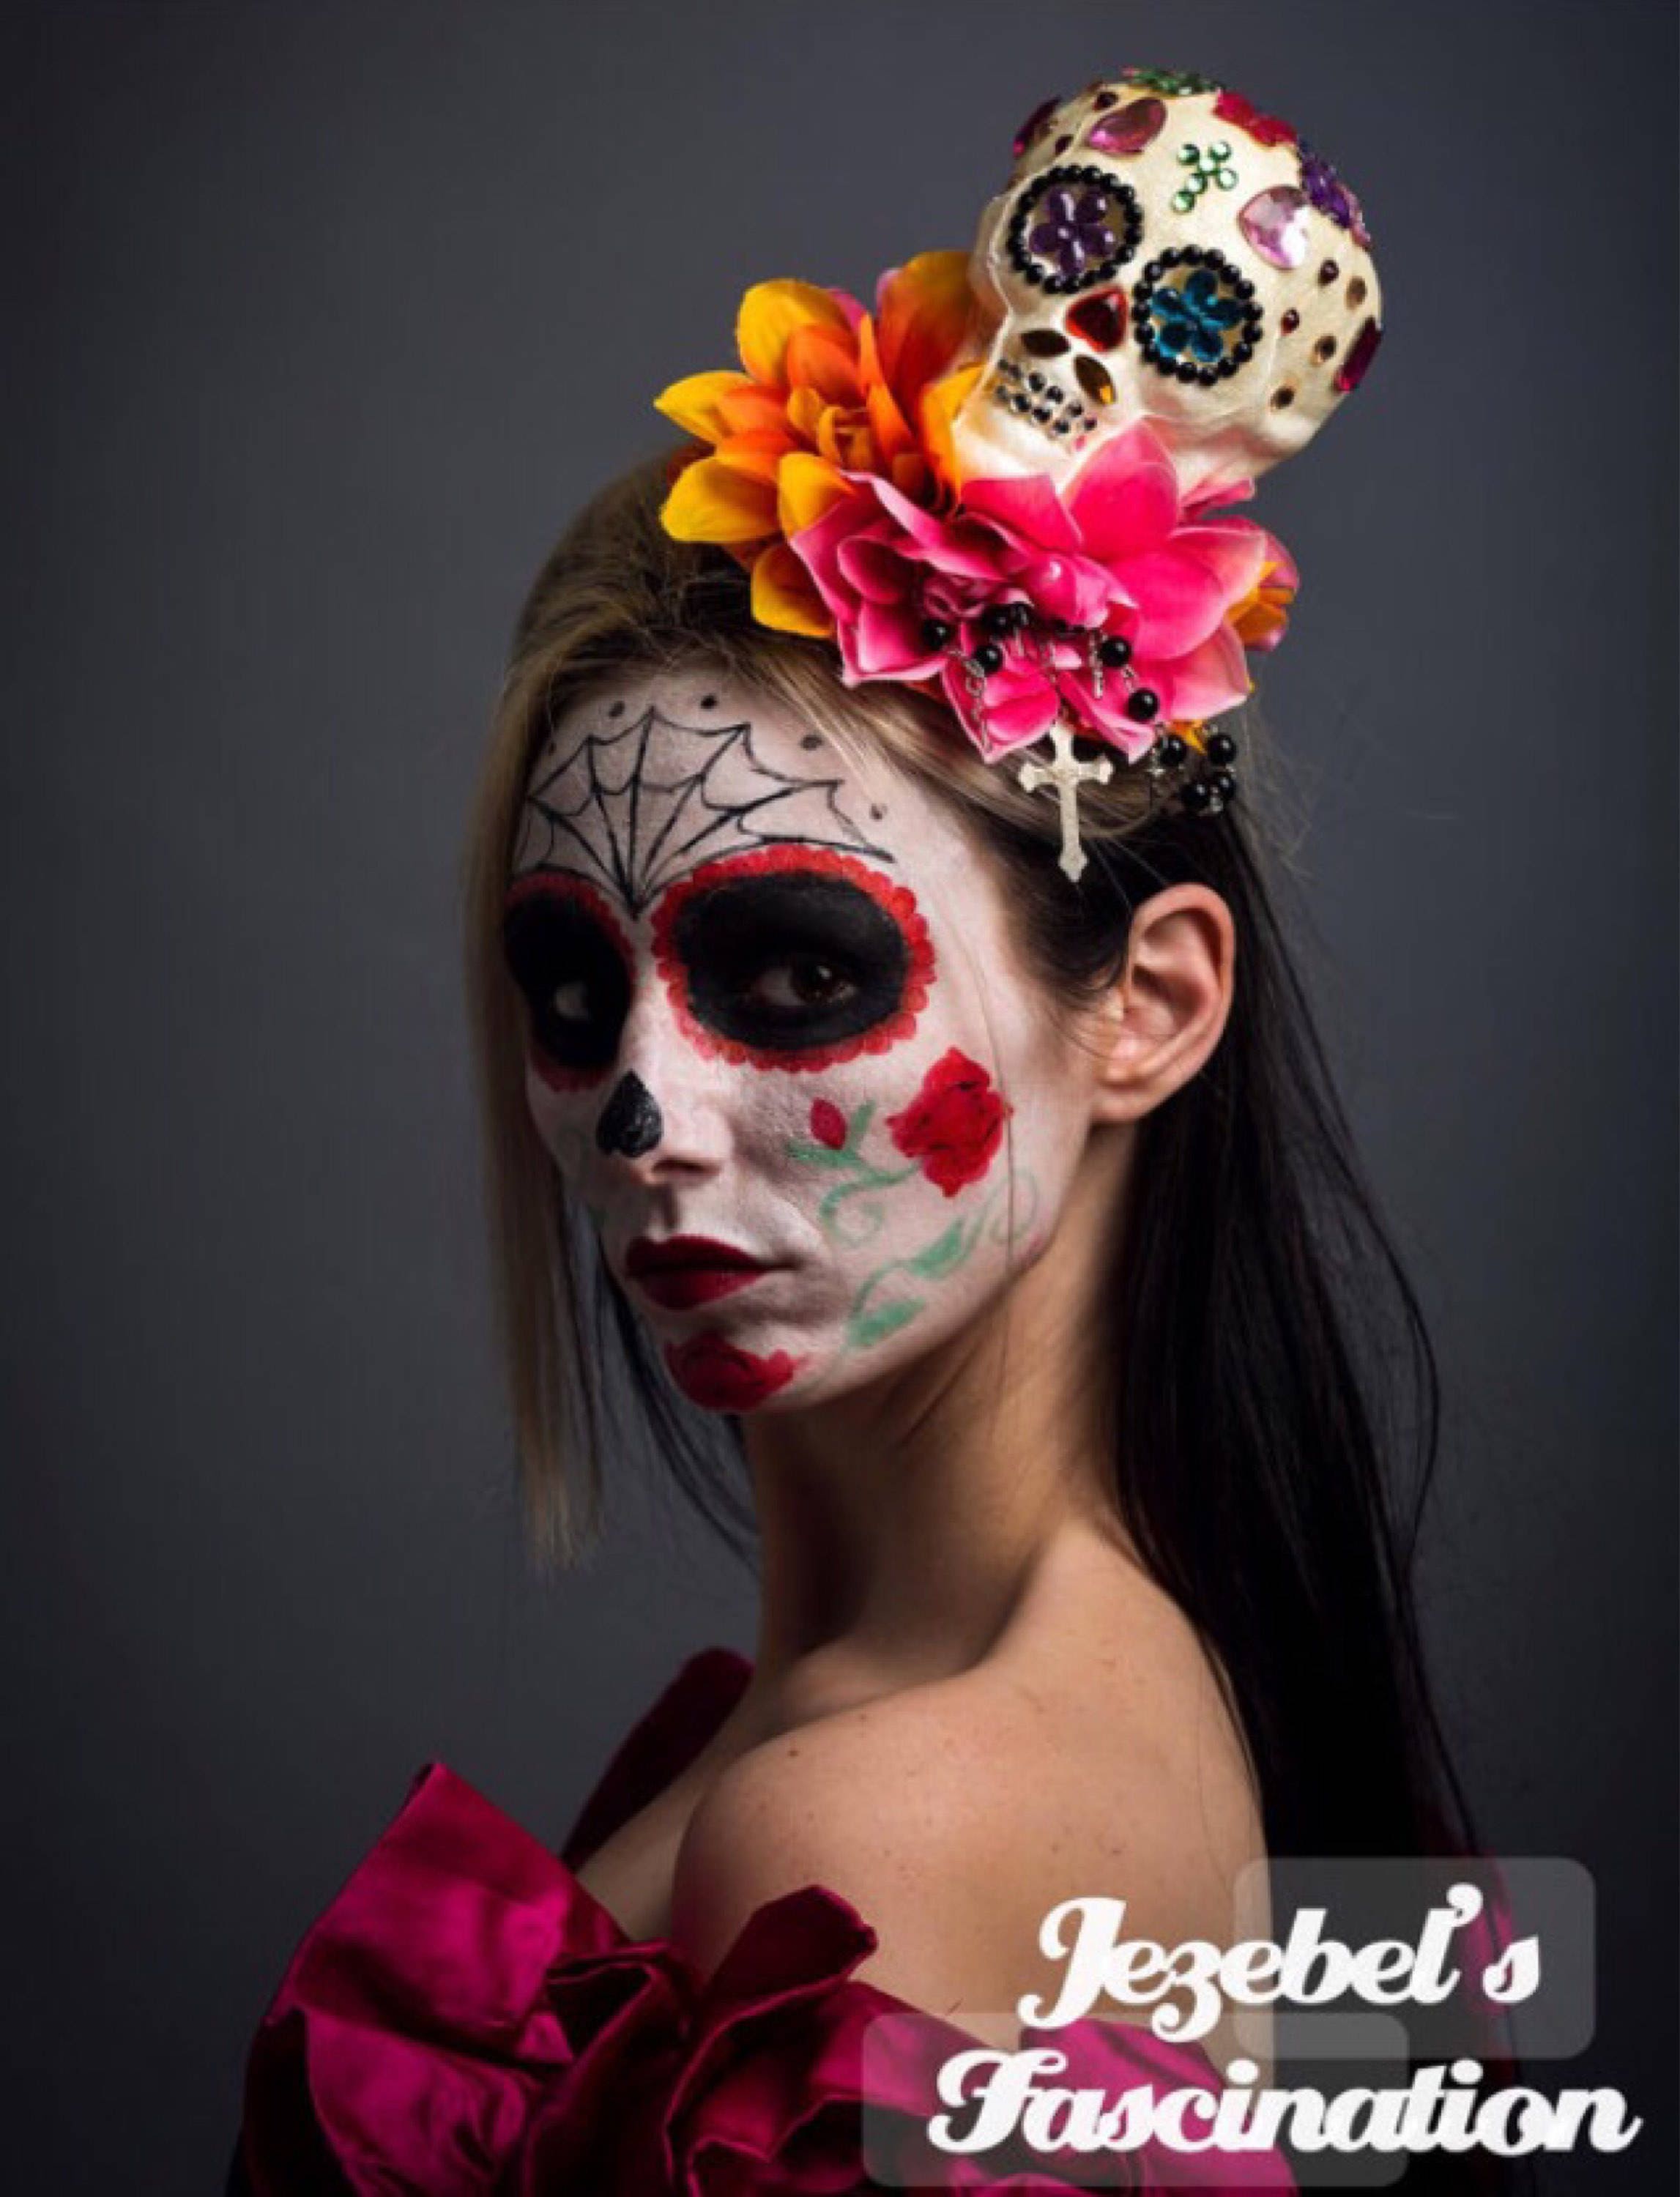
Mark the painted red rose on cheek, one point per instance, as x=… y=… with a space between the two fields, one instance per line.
x=954 y=1124
x=828 y=1124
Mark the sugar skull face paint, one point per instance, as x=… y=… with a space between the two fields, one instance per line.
x=778 y=1043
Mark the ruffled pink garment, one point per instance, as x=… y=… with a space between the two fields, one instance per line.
x=466 y=2020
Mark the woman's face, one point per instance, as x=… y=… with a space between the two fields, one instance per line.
x=780 y=1044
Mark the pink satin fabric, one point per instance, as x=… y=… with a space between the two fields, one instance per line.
x=466 y=2020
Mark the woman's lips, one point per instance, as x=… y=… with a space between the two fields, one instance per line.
x=682 y=1272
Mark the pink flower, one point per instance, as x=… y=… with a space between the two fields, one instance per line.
x=1121 y=554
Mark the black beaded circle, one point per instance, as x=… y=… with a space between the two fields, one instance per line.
x=1119 y=210
x=1233 y=288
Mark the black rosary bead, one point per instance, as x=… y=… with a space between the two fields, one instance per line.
x=988 y=657
x=1114 y=651
x=1142 y=703
x=1221 y=748
x=935 y=633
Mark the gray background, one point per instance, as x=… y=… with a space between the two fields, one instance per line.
x=326 y=317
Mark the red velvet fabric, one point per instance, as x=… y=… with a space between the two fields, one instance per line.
x=466 y=2020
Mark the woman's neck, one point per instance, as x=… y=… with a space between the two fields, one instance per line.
x=901 y=1523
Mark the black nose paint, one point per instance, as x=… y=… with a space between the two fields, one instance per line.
x=631 y=1121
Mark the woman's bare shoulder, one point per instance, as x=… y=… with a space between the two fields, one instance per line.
x=1089 y=1753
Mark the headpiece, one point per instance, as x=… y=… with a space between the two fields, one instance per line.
x=1004 y=484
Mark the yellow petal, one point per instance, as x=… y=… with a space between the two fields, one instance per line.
x=942 y=401
x=784 y=597
x=750 y=409
x=693 y=402
x=829 y=428
x=770 y=312
x=713 y=502
x=757 y=455
x=921 y=315
x=805 y=408
x=892 y=436
x=824 y=359
x=806 y=489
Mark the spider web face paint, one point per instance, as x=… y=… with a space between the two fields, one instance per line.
x=642 y=806
x=866 y=1123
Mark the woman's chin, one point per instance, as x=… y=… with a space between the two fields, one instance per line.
x=762 y=1367
x=727 y=1372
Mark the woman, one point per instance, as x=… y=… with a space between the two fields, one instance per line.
x=938 y=1154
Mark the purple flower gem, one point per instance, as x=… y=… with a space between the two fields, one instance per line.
x=1073 y=230
x=1326 y=190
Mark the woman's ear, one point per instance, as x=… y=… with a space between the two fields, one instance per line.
x=1167 y=1010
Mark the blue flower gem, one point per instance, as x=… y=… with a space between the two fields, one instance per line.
x=1192 y=320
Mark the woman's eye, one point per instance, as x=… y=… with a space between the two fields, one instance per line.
x=574 y=972
x=802 y=980
x=789 y=961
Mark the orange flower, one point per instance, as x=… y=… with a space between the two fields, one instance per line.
x=828 y=390
x=1260 y=619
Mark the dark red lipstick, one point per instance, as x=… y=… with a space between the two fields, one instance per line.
x=682 y=1272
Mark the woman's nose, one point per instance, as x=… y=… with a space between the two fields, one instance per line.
x=663 y=1115
x=630 y=1122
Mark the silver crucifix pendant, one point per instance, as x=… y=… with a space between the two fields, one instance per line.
x=1065 y=774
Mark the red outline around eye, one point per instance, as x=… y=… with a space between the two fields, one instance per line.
x=560 y=885
x=897 y=901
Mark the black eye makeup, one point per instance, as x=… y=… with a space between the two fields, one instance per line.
x=793 y=957
x=571 y=960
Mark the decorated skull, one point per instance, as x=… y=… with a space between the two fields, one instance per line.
x=1163 y=249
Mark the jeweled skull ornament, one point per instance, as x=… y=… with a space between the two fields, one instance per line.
x=1163 y=250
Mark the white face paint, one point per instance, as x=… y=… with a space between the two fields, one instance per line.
x=781 y=1043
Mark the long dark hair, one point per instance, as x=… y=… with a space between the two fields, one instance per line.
x=1275 y=1442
